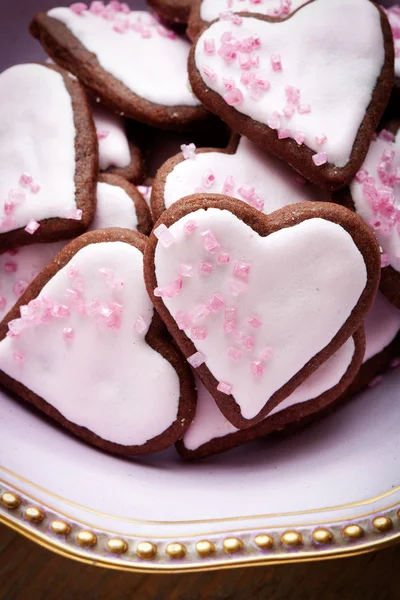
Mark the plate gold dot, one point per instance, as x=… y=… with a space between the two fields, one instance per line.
x=205 y=548
x=60 y=527
x=382 y=524
x=292 y=538
x=34 y=514
x=353 y=532
x=322 y=536
x=264 y=541
x=146 y=550
x=232 y=545
x=86 y=539
x=10 y=500
x=117 y=546
x=175 y=550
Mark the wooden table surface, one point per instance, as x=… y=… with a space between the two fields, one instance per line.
x=28 y=572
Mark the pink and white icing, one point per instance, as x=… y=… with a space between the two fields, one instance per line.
x=381 y=324
x=257 y=308
x=310 y=77
x=393 y=14
x=259 y=179
x=37 y=153
x=376 y=196
x=209 y=423
x=19 y=267
x=113 y=143
x=135 y=49
x=93 y=364
x=211 y=9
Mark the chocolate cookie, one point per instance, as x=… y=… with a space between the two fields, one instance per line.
x=104 y=368
x=48 y=156
x=313 y=96
x=258 y=302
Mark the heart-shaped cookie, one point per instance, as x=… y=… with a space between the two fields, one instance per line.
x=258 y=302
x=311 y=88
x=48 y=156
x=104 y=367
x=210 y=433
x=242 y=171
x=127 y=58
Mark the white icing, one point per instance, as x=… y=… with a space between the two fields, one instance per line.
x=333 y=51
x=114 y=148
x=209 y=423
x=38 y=138
x=114 y=209
x=274 y=181
x=154 y=68
x=303 y=284
x=211 y=9
x=108 y=380
x=390 y=242
x=145 y=190
x=381 y=326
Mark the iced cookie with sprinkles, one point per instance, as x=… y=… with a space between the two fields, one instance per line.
x=211 y=433
x=204 y=11
x=127 y=58
x=117 y=154
x=48 y=156
x=119 y=204
x=258 y=302
x=105 y=368
x=311 y=94
x=241 y=171
x=174 y=12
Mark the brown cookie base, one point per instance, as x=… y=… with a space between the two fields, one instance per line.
x=288 y=420
x=265 y=225
x=157 y=338
x=87 y=165
x=173 y=12
x=300 y=157
x=68 y=52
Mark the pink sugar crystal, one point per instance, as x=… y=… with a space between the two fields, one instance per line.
x=210 y=242
x=361 y=175
x=198 y=313
x=224 y=258
x=102 y=134
x=205 y=267
x=96 y=7
x=224 y=387
x=276 y=62
x=185 y=270
x=320 y=159
x=18 y=357
x=321 y=139
x=245 y=62
x=230 y=314
x=32 y=226
x=182 y=320
x=196 y=359
x=198 y=333
x=72 y=271
x=257 y=368
x=385 y=260
x=274 y=120
x=266 y=353
x=164 y=235
x=229 y=326
x=78 y=8
x=68 y=334
x=25 y=179
x=190 y=227
x=248 y=342
x=10 y=267
x=237 y=287
x=246 y=191
x=241 y=269
x=283 y=134
x=234 y=353
x=255 y=322
x=140 y=325
x=174 y=289
x=19 y=287
x=60 y=311
x=75 y=214
x=209 y=46
x=208 y=179
x=3 y=302
x=303 y=109
x=292 y=94
x=9 y=206
x=386 y=135
x=35 y=188
x=288 y=111
x=188 y=151
x=229 y=185
x=233 y=97
x=215 y=303
x=209 y=72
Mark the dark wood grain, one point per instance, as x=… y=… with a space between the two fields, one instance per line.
x=28 y=572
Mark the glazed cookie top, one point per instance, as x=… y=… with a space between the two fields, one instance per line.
x=393 y=14
x=382 y=324
x=113 y=143
x=93 y=362
x=310 y=83
x=376 y=197
x=211 y=9
x=37 y=155
x=135 y=48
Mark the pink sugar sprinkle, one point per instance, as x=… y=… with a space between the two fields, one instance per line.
x=60 y=311
x=284 y=133
x=125 y=8
x=16 y=326
x=276 y=62
x=388 y=156
x=303 y=109
x=158 y=292
x=234 y=353
x=78 y=8
x=257 y=368
x=72 y=271
x=246 y=78
x=321 y=139
x=210 y=242
x=233 y=97
x=47 y=301
x=385 y=260
x=215 y=303
x=266 y=353
x=185 y=270
x=198 y=333
x=18 y=357
x=205 y=267
x=237 y=287
x=209 y=72
x=73 y=213
x=174 y=289
x=190 y=227
x=198 y=313
x=3 y=302
x=248 y=342
x=196 y=359
x=229 y=185
x=68 y=334
x=229 y=326
x=320 y=159
x=230 y=313
x=228 y=83
x=120 y=26
x=96 y=7
x=164 y=235
x=255 y=322
x=241 y=269
x=228 y=53
x=7 y=223
x=19 y=287
x=9 y=206
x=224 y=258
x=188 y=151
x=32 y=226
x=208 y=179
x=102 y=134
x=35 y=188
x=292 y=94
x=182 y=320
x=140 y=325
x=246 y=191
x=288 y=111
x=224 y=387
x=274 y=120
x=10 y=267
x=361 y=175
x=386 y=135
x=209 y=47
x=245 y=62
x=165 y=32
x=25 y=179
